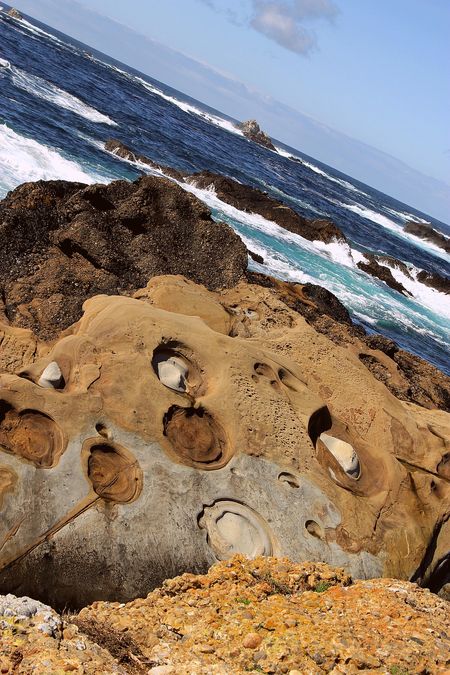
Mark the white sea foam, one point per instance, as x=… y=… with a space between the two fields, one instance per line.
x=389 y=224
x=4 y=63
x=22 y=159
x=339 y=181
x=429 y=297
x=50 y=92
x=189 y=108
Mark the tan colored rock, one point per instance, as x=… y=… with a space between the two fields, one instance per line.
x=119 y=479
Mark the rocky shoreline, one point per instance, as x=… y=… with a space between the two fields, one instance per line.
x=163 y=408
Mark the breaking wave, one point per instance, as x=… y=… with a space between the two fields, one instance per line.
x=49 y=92
x=22 y=159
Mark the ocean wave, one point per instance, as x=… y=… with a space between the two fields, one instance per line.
x=50 y=92
x=312 y=167
x=429 y=297
x=391 y=225
x=189 y=108
x=338 y=252
x=5 y=64
x=23 y=159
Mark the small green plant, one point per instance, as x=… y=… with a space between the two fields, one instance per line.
x=398 y=670
x=243 y=601
x=322 y=586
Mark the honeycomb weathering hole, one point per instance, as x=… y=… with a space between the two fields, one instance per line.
x=314 y=529
x=114 y=473
x=289 y=479
x=232 y=528
x=319 y=422
x=31 y=435
x=196 y=436
x=176 y=370
x=343 y=453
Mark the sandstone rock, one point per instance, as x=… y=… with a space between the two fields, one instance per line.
x=252 y=200
x=427 y=232
x=253 y=132
x=61 y=243
x=119 y=479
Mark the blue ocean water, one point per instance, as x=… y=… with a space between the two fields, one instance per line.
x=60 y=101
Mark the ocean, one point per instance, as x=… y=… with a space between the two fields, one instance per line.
x=61 y=100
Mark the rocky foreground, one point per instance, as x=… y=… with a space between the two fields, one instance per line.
x=161 y=409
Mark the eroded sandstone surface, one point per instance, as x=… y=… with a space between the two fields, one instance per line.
x=180 y=426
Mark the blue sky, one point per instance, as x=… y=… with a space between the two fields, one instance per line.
x=373 y=70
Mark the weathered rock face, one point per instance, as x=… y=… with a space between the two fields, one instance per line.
x=250 y=199
x=61 y=243
x=253 y=132
x=244 y=616
x=164 y=441
x=425 y=231
x=381 y=272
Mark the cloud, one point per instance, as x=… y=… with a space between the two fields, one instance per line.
x=282 y=21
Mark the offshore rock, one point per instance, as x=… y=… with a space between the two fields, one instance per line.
x=252 y=200
x=14 y=13
x=62 y=242
x=253 y=132
x=425 y=231
x=120 y=150
x=190 y=425
x=373 y=267
x=436 y=281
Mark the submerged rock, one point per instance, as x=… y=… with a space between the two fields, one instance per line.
x=436 y=281
x=253 y=132
x=120 y=150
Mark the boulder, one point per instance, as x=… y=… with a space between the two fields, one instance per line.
x=192 y=424
x=252 y=200
x=427 y=232
x=62 y=242
x=253 y=132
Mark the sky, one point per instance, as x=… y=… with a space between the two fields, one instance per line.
x=364 y=75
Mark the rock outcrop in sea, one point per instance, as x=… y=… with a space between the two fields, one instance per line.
x=253 y=132
x=428 y=233
x=14 y=13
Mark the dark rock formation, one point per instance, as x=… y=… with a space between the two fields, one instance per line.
x=381 y=272
x=441 y=284
x=253 y=132
x=252 y=200
x=425 y=231
x=121 y=150
x=256 y=257
x=62 y=242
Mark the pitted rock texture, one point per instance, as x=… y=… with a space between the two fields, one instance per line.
x=61 y=243
x=272 y=616
x=190 y=425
